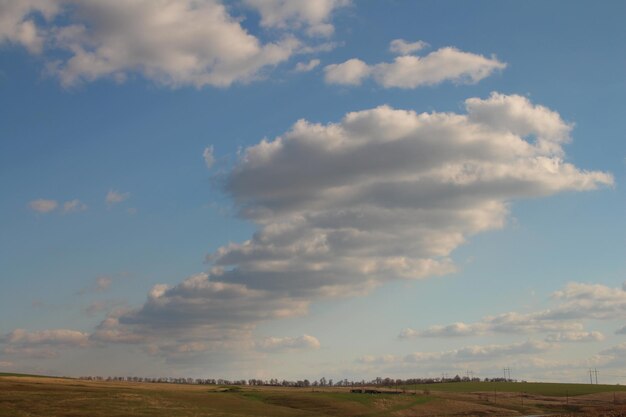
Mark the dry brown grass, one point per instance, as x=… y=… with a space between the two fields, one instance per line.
x=49 y=397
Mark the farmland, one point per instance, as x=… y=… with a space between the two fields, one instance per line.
x=52 y=397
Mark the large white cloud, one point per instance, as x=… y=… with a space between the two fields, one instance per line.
x=171 y=42
x=410 y=71
x=384 y=194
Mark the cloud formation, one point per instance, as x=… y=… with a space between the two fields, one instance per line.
x=209 y=158
x=576 y=302
x=17 y=22
x=410 y=71
x=42 y=343
x=384 y=194
x=115 y=197
x=307 y=66
x=303 y=342
x=170 y=42
x=312 y=15
x=473 y=353
x=402 y=47
x=74 y=206
x=43 y=205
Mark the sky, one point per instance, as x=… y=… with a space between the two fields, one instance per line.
x=306 y=189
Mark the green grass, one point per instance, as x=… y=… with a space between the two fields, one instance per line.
x=537 y=388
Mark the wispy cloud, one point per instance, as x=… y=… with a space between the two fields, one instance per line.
x=304 y=342
x=402 y=47
x=410 y=71
x=43 y=205
x=73 y=206
x=307 y=66
x=47 y=206
x=115 y=197
x=209 y=158
x=313 y=15
x=576 y=302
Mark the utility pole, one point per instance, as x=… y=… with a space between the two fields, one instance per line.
x=590 y=377
x=596 y=372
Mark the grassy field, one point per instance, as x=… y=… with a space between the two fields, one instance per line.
x=538 y=388
x=22 y=396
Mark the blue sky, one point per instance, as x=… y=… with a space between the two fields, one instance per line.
x=303 y=189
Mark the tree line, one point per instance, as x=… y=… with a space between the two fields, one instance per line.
x=304 y=383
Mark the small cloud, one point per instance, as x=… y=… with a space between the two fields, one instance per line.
x=351 y=72
x=209 y=158
x=377 y=360
x=6 y=364
x=410 y=71
x=408 y=333
x=95 y=307
x=103 y=283
x=73 y=206
x=42 y=205
x=131 y=210
x=289 y=343
x=402 y=47
x=64 y=337
x=575 y=337
x=307 y=66
x=621 y=330
x=115 y=197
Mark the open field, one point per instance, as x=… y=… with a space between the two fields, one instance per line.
x=52 y=397
x=539 y=388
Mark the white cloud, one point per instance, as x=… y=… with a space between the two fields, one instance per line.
x=381 y=195
x=517 y=115
x=451 y=330
x=409 y=71
x=42 y=343
x=576 y=302
x=307 y=66
x=209 y=158
x=303 y=342
x=171 y=42
x=481 y=353
x=351 y=72
x=73 y=206
x=312 y=15
x=575 y=337
x=216 y=314
x=52 y=337
x=103 y=283
x=17 y=22
x=43 y=205
x=378 y=360
x=115 y=197
x=109 y=331
x=402 y=47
